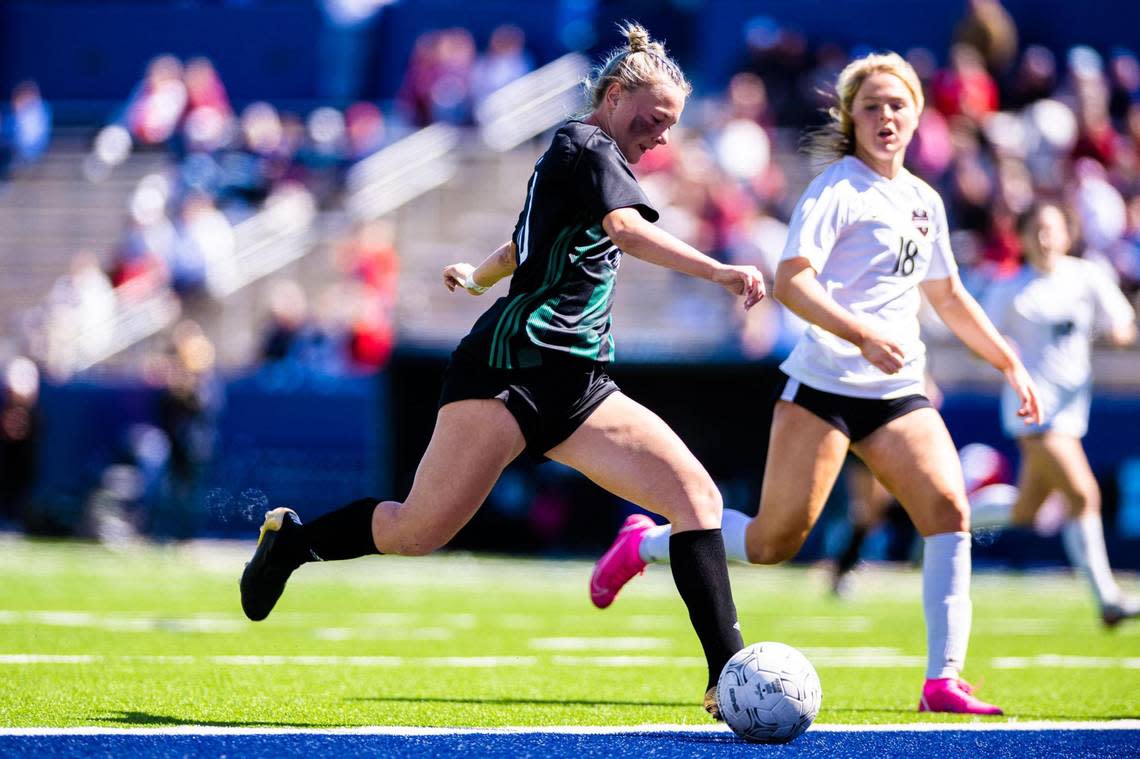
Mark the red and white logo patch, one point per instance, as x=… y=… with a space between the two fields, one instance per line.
x=921 y=221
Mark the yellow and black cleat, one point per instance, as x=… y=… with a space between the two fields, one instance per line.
x=711 y=705
x=265 y=574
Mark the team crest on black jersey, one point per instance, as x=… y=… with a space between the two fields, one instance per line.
x=921 y=221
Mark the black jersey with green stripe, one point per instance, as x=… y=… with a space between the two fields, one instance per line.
x=562 y=291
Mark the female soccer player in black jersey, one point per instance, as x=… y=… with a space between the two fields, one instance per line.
x=531 y=375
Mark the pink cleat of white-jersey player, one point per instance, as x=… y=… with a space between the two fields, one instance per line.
x=954 y=695
x=621 y=563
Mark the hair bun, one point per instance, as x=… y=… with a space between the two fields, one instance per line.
x=637 y=37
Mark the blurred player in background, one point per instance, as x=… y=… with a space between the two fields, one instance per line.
x=864 y=238
x=1050 y=311
x=531 y=374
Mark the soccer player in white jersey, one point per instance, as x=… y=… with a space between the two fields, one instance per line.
x=866 y=237
x=1050 y=311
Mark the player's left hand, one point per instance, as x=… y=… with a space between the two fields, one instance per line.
x=1022 y=384
x=742 y=280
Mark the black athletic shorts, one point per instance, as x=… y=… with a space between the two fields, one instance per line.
x=854 y=417
x=549 y=402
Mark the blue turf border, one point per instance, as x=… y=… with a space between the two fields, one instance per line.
x=872 y=744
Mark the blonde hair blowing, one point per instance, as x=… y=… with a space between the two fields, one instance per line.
x=837 y=139
x=641 y=63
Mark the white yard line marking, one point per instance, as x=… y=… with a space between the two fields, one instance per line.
x=603 y=643
x=627 y=661
x=979 y=727
x=1065 y=662
x=863 y=657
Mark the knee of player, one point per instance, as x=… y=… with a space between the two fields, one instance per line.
x=706 y=501
x=1084 y=502
x=949 y=513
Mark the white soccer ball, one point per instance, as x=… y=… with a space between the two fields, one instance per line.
x=769 y=693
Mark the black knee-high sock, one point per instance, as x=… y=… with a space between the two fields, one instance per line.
x=701 y=573
x=850 y=556
x=343 y=534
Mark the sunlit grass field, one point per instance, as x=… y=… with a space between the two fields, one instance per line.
x=151 y=636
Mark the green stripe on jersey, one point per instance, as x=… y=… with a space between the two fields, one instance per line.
x=510 y=319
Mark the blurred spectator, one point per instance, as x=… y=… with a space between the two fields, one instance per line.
x=1124 y=79
x=202 y=256
x=155 y=108
x=289 y=327
x=504 y=61
x=988 y=28
x=249 y=171
x=1036 y=77
x=147 y=246
x=80 y=308
x=437 y=83
x=365 y=132
x=965 y=87
x=19 y=436
x=209 y=119
x=1096 y=137
x=27 y=127
x=370 y=256
x=1099 y=206
x=1125 y=254
x=189 y=401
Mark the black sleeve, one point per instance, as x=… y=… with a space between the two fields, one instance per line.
x=604 y=182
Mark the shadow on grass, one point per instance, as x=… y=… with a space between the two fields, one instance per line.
x=143 y=718
x=516 y=701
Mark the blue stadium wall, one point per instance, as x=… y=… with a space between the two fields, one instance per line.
x=286 y=51
x=314 y=443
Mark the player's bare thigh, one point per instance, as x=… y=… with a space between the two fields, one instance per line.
x=915 y=459
x=631 y=452
x=805 y=454
x=472 y=443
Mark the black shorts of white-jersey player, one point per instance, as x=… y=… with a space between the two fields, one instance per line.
x=864 y=239
x=531 y=374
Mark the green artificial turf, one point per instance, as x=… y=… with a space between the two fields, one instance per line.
x=455 y=640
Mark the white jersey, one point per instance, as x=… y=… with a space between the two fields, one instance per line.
x=871 y=241
x=1052 y=318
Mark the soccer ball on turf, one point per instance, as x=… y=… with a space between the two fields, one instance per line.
x=768 y=693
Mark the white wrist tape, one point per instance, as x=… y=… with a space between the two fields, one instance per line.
x=469 y=284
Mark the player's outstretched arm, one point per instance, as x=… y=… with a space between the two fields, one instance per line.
x=966 y=319
x=630 y=231
x=798 y=290
x=479 y=279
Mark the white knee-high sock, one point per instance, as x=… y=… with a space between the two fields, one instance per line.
x=946 y=602
x=655 y=543
x=1083 y=539
x=992 y=506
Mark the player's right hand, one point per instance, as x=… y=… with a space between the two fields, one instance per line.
x=882 y=353
x=458 y=275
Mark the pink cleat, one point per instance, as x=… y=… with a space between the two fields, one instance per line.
x=949 y=694
x=621 y=563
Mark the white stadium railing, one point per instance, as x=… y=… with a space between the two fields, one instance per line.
x=402 y=171
x=533 y=103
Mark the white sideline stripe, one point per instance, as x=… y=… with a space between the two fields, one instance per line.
x=974 y=727
x=1064 y=662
